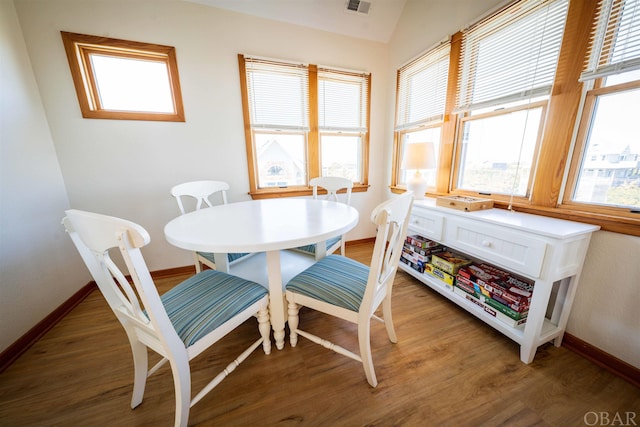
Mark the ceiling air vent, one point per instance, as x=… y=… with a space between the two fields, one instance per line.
x=358 y=6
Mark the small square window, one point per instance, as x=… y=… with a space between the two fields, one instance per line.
x=120 y=79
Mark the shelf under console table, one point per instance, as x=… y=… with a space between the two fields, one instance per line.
x=548 y=251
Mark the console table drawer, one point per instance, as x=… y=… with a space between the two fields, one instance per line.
x=520 y=252
x=428 y=224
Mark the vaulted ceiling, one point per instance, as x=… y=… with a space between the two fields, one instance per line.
x=367 y=19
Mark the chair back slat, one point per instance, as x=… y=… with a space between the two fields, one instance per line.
x=129 y=299
x=332 y=184
x=392 y=221
x=200 y=191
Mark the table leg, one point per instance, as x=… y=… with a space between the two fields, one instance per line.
x=222 y=262
x=321 y=250
x=276 y=301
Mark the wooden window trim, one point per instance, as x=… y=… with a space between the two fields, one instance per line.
x=621 y=214
x=396 y=158
x=313 y=139
x=79 y=47
x=449 y=128
x=268 y=193
x=563 y=105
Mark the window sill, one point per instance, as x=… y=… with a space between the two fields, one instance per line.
x=616 y=224
x=273 y=193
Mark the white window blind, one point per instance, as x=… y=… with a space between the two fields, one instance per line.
x=278 y=94
x=422 y=89
x=511 y=55
x=342 y=100
x=615 y=40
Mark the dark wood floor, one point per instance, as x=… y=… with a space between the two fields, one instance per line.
x=448 y=369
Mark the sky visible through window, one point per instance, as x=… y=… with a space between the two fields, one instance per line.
x=126 y=84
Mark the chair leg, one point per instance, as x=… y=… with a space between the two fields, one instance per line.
x=293 y=323
x=365 y=352
x=198 y=264
x=388 y=320
x=140 y=366
x=182 y=383
x=265 y=329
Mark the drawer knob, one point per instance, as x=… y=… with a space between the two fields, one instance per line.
x=486 y=243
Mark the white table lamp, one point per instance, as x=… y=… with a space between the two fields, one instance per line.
x=418 y=156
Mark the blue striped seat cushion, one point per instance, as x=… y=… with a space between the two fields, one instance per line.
x=312 y=248
x=334 y=279
x=207 y=300
x=231 y=257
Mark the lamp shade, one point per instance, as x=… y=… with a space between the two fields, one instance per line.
x=419 y=155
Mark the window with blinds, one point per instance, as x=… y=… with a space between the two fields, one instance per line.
x=607 y=175
x=342 y=100
x=422 y=89
x=615 y=39
x=512 y=55
x=303 y=121
x=278 y=94
x=507 y=69
x=343 y=112
x=420 y=105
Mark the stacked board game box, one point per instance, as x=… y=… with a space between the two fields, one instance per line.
x=489 y=309
x=442 y=275
x=431 y=258
x=449 y=262
x=417 y=252
x=497 y=290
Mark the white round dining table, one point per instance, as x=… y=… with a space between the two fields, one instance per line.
x=266 y=225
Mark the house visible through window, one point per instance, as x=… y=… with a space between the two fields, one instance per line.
x=607 y=168
x=290 y=138
x=120 y=79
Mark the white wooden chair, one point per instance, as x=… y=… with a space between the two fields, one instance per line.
x=332 y=184
x=201 y=191
x=178 y=325
x=352 y=291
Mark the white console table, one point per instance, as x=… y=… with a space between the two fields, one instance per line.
x=549 y=251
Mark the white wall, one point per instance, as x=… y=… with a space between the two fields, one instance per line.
x=39 y=268
x=606 y=310
x=126 y=168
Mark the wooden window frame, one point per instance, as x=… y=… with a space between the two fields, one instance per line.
x=622 y=214
x=312 y=142
x=79 y=47
x=455 y=173
x=399 y=137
